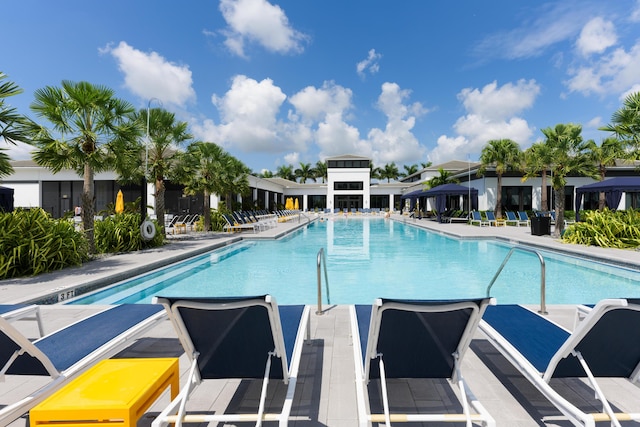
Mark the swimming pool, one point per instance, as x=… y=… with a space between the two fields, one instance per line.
x=369 y=258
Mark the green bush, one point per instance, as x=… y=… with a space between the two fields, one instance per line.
x=607 y=229
x=121 y=233
x=31 y=243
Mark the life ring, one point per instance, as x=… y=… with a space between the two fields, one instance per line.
x=148 y=230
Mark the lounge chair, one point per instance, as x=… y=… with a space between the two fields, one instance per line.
x=491 y=218
x=67 y=352
x=416 y=339
x=460 y=216
x=512 y=219
x=523 y=217
x=244 y=337
x=476 y=218
x=233 y=225
x=603 y=345
x=14 y=312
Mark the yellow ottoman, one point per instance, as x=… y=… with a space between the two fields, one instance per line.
x=115 y=392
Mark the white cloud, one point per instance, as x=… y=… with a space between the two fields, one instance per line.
x=596 y=36
x=594 y=123
x=248 y=113
x=261 y=22
x=396 y=142
x=149 y=75
x=532 y=38
x=292 y=159
x=371 y=63
x=635 y=13
x=615 y=72
x=492 y=114
x=313 y=104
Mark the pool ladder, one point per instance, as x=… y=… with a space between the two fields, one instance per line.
x=543 y=304
x=322 y=260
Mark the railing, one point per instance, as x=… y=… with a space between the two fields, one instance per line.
x=543 y=304
x=321 y=259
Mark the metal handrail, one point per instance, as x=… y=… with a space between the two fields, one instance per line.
x=321 y=259
x=543 y=304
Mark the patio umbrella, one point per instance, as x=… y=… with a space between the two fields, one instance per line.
x=119 y=202
x=295 y=205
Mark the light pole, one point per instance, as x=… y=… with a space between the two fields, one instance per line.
x=143 y=199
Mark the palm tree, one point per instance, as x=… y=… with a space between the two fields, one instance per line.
x=443 y=178
x=389 y=172
x=286 y=172
x=537 y=160
x=409 y=170
x=321 y=170
x=206 y=168
x=375 y=172
x=165 y=136
x=266 y=174
x=604 y=156
x=503 y=155
x=426 y=164
x=91 y=131
x=570 y=155
x=10 y=123
x=305 y=172
x=625 y=124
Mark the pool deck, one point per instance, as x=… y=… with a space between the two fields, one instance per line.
x=326 y=394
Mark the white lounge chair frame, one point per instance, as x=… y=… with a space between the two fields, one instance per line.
x=23 y=312
x=13 y=411
x=176 y=412
x=541 y=379
x=466 y=396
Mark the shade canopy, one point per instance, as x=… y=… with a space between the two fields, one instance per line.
x=441 y=192
x=612 y=189
x=6 y=199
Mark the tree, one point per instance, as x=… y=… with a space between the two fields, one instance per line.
x=537 y=160
x=426 y=164
x=286 y=172
x=91 y=131
x=165 y=137
x=603 y=156
x=389 y=172
x=570 y=155
x=305 y=172
x=503 y=155
x=321 y=170
x=206 y=168
x=409 y=170
x=266 y=174
x=443 y=178
x=375 y=172
x=625 y=124
x=10 y=123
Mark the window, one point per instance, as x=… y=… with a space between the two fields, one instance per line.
x=517 y=198
x=348 y=185
x=342 y=164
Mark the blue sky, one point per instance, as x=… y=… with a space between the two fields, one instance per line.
x=283 y=82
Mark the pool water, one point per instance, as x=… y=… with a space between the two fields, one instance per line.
x=368 y=258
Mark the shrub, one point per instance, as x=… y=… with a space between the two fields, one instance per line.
x=607 y=229
x=121 y=233
x=31 y=242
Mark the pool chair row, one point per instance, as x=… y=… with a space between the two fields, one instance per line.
x=253 y=337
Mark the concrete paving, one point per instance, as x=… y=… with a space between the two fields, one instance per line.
x=326 y=394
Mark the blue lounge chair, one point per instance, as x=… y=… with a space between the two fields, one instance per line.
x=512 y=219
x=244 y=337
x=67 y=352
x=603 y=345
x=476 y=218
x=13 y=312
x=415 y=339
x=491 y=218
x=523 y=217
